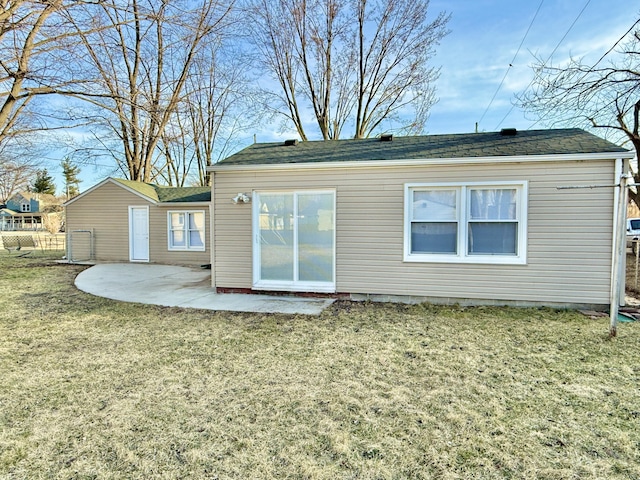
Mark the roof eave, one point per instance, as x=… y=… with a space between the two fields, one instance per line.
x=115 y=182
x=626 y=155
x=184 y=204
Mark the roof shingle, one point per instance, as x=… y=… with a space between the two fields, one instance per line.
x=184 y=194
x=168 y=194
x=493 y=144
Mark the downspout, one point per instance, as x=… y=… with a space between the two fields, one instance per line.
x=212 y=231
x=619 y=245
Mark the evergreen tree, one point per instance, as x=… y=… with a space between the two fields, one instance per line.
x=43 y=183
x=70 y=173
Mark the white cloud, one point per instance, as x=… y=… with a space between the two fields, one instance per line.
x=485 y=37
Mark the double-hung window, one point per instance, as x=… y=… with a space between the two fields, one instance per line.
x=466 y=223
x=186 y=230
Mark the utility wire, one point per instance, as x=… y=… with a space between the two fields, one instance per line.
x=511 y=62
x=590 y=70
x=549 y=58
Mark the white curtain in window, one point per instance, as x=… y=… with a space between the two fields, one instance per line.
x=196 y=229
x=186 y=230
x=493 y=227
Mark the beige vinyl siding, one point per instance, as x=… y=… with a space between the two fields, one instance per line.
x=105 y=211
x=159 y=237
x=568 y=245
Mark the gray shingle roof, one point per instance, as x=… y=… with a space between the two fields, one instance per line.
x=184 y=194
x=168 y=194
x=493 y=144
x=146 y=189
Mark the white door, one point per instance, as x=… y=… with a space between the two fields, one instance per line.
x=294 y=241
x=139 y=234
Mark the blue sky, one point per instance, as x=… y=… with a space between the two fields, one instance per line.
x=475 y=56
x=485 y=36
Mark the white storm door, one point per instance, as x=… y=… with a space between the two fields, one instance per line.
x=294 y=241
x=139 y=234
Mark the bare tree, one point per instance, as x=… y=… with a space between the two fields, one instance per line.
x=215 y=111
x=219 y=108
x=358 y=63
x=35 y=39
x=21 y=26
x=14 y=177
x=176 y=148
x=52 y=221
x=140 y=54
x=604 y=98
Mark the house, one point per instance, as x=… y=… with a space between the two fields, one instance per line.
x=470 y=218
x=125 y=221
x=23 y=211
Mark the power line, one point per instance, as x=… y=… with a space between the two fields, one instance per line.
x=549 y=58
x=590 y=69
x=511 y=62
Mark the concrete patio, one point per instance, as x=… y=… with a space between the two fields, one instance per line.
x=189 y=287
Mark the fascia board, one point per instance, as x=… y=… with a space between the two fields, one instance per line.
x=87 y=192
x=183 y=204
x=426 y=161
x=105 y=181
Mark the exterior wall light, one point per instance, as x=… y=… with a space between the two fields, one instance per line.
x=241 y=198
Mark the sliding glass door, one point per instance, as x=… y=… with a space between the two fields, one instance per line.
x=294 y=241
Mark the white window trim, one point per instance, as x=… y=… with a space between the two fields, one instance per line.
x=522 y=188
x=187 y=247
x=25 y=207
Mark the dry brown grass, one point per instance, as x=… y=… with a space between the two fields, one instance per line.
x=93 y=388
x=632 y=281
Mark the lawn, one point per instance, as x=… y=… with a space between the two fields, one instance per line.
x=94 y=388
x=632 y=287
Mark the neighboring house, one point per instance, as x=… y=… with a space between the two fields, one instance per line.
x=122 y=220
x=24 y=210
x=470 y=218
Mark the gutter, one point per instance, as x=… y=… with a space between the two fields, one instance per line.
x=182 y=204
x=422 y=161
